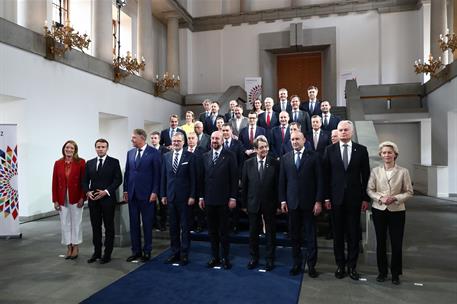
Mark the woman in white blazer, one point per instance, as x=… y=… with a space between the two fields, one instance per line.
x=389 y=187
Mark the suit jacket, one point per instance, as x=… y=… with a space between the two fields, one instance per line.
x=332 y=123
x=260 y=194
x=109 y=177
x=208 y=126
x=60 y=183
x=202 y=117
x=398 y=185
x=142 y=179
x=228 y=116
x=262 y=120
x=165 y=139
x=317 y=108
x=236 y=147
x=243 y=124
x=244 y=136
x=219 y=181
x=277 y=107
x=276 y=141
x=303 y=119
x=301 y=187
x=324 y=141
x=353 y=181
x=162 y=150
x=287 y=147
x=178 y=187
x=204 y=142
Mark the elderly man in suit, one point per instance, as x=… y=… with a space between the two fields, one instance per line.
x=203 y=139
x=347 y=171
x=239 y=122
x=178 y=190
x=280 y=135
x=283 y=104
x=297 y=115
x=102 y=178
x=269 y=118
x=329 y=121
x=318 y=138
x=260 y=199
x=301 y=191
x=207 y=107
x=231 y=113
x=218 y=192
x=141 y=187
x=312 y=106
x=167 y=134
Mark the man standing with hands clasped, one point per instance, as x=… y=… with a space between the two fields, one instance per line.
x=102 y=177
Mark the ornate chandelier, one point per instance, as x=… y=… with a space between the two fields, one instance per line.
x=164 y=83
x=448 y=41
x=432 y=67
x=61 y=38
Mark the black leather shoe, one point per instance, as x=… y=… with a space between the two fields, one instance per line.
x=93 y=258
x=269 y=266
x=396 y=280
x=253 y=264
x=213 y=262
x=340 y=273
x=146 y=257
x=295 y=270
x=184 y=260
x=353 y=274
x=312 y=273
x=381 y=278
x=105 y=260
x=172 y=259
x=226 y=264
x=133 y=257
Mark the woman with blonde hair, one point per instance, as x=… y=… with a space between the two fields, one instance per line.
x=68 y=196
x=389 y=187
x=190 y=123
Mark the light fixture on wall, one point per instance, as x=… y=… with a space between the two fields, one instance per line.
x=448 y=41
x=165 y=83
x=431 y=67
x=128 y=65
x=61 y=38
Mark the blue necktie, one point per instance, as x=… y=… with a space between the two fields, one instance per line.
x=297 y=160
x=215 y=157
x=138 y=157
x=175 y=162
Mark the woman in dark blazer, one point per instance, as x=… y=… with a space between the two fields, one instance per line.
x=68 y=196
x=389 y=187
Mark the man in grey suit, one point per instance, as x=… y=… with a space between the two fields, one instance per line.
x=260 y=199
x=239 y=122
x=203 y=139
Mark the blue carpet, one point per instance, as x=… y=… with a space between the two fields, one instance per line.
x=156 y=282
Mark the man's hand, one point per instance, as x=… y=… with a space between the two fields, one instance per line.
x=100 y=194
x=153 y=197
x=90 y=195
x=191 y=201
x=201 y=203
x=126 y=197
x=164 y=201
x=317 y=208
x=284 y=208
x=328 y=205
x=232 y=203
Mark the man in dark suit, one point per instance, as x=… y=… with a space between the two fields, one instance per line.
x=218 y=189
x=312 y=106
x=318 y=138
x=167 y=134
x=101 y=179
x=178 y=189
x=260 y=199
x=248 y=134
x=347 y=170
x=283 y=104
x=297 y=115
x=329 y=121
x=209 y=125
x=203 y=139
x=160 y=213
x=141 y=187
x=268 y=119
x=280 y=135
x=231 y=113
x=207 y=110
x=301 y=191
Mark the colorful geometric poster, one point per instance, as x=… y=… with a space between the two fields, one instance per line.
x=253 y=88
x=9 y=198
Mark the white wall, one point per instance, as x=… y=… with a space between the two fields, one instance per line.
x=61 y=103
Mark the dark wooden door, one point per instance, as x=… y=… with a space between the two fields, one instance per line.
x=296 y=72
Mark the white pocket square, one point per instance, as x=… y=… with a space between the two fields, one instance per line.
x=186 y=163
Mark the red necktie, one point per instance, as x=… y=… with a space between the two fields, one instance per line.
x=268 y=118
x=283 y=133
x=251 y=136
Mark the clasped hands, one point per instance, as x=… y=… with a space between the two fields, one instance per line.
x=96 y=195
x=387 y=200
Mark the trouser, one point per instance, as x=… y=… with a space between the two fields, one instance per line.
x=179 y=215
x=217 y=217
x=145 y=209
x=255 y=220
x=70 y=221
x=301 y=221
x=102 y=211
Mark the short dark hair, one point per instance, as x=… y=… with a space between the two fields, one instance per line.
x=295 y=96
x=155 y=133
x=102 y=140
x=312 y=88
x=227 y=125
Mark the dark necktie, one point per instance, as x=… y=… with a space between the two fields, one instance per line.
x=283 y=133
x=261 y=169
x=137 y=158
x=297 y=159
x=100 y=164
x=226 y=144
x=215 y=157
x=311 y=107
x=251 y=135
x=325 y=120
x=175 y=162
x=345 y=156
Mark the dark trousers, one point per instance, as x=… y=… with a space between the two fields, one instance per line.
x=217 y=217
x=145 y=210
x=301 y=221
x=102 y=211
x=394 y=222
x=179 y=215
x=346 y=223
x=198 y=217
x=255 y=220
x=160 y=215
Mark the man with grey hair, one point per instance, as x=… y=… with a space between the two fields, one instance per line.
x=347 y=171
x=231 y=113
x=207 y=110
x=141 y=187
x=203 y=139
x=259 y=182
x=268 y=119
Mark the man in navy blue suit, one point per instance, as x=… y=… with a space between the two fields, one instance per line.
x=209 y=125
x=283 y=104
x=300 y=116
x=318 y=138
x=141 y=187
x=312 y=106
x=218 y=187
x=347 y=170
x=268 y=119
x=280 y=135
x=165 y=135
x=301 y=191
x=248 y=134
x=178 y=189
x=329 y=121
